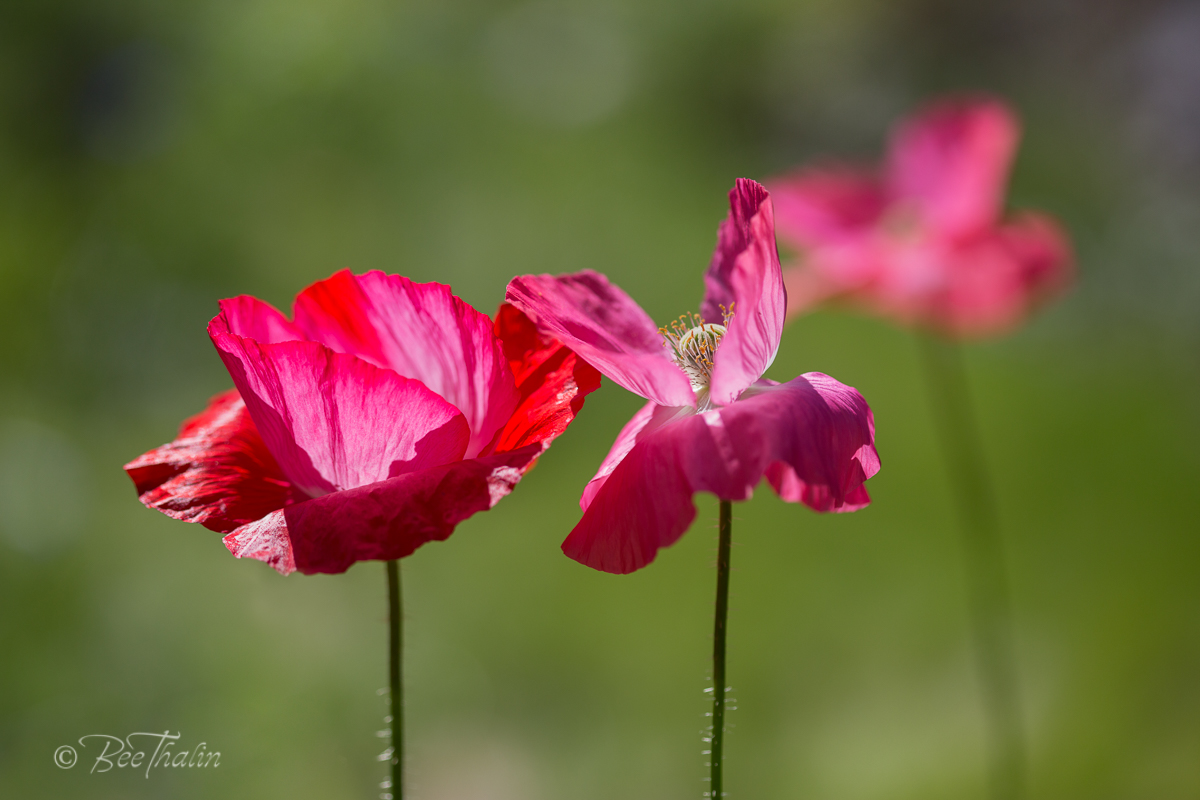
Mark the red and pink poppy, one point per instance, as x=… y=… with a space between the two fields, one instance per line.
x=924 y=240
x=375 y=420
x=712 y=423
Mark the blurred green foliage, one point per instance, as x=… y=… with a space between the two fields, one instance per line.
x=155 y=157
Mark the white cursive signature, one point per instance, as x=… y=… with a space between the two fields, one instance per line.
x=122 y=753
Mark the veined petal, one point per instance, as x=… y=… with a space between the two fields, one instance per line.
x=953 y=160
x=552 y=382
x=606 y=328
x=265 y=540
x=381 y=521
x=745 y=276
x=649 y=418
x=418 y=330
x=642 y=505
x=818 y=429
x=792 y=489
x=334 y=421
x=250 y=317
x=217 y=472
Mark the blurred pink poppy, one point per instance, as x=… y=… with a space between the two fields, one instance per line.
x=712 y=422
x=378 y=418
x=924 y=240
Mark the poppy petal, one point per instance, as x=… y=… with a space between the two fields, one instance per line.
x=1017 y=266
x=824 y=205
x=217 y=472
x=790 y=488
x=745 y=277
x=953 y=159
x=649 y=417
x=250 y=317
x=981 y=286
x=826 y=215
x=819 y=428
x=384 y=520
x=606 y=328
x=418 y=330
x=265 y=540
x=1043 y=249
x=334 y=421
x=642 y=505
x=552 y=382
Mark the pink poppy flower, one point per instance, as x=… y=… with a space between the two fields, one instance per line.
x=924 y=240
x=712 y=423
x=378 y=418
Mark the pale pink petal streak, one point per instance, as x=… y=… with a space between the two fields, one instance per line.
x=605 y=328
x=745 y=274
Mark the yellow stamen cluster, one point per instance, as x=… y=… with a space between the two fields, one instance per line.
x=693 y=344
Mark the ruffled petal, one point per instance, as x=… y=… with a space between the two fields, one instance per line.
x=792 y=489
x=649 y=418
x=745 y=276
x=552 y=382
x=265 y=540
x=250 y=317
x=606 y=328
x=418 y=330
x=382 y=521
x=819 y=430
x=217 y=472
x=642 y=505
x=953 y=160
x=334 y=421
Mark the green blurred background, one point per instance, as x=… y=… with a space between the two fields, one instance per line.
x=155 y=157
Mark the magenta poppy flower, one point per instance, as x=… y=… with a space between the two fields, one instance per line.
x=924 y=240
x=378 y=418
x=712 y=423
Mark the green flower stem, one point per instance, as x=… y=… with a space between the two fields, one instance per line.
x=395 y=671
x=983 y=549
x=717 y=740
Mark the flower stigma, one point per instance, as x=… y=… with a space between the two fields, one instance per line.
x=693 y=344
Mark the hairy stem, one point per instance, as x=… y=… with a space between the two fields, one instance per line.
x=983 y=549
x=395 y=673
x=716 y=751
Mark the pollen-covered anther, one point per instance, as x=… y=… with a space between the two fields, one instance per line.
x=693 y=344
